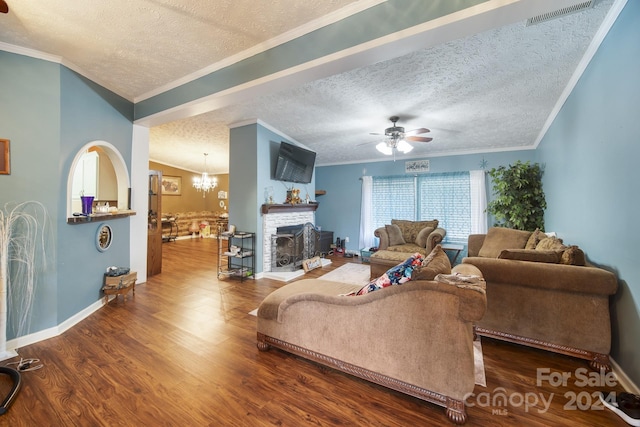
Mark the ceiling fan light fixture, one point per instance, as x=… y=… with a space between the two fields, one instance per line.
x=384 y=148
x=404 y=146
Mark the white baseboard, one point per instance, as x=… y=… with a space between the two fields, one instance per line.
x=17 y=343
x=7 y=355
x=624 y=380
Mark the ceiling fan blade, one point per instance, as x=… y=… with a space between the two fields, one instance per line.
x=4 y=7
x=370 y=133
x=417 y=131
x=418 y=138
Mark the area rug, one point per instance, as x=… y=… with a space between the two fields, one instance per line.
x=352 y=273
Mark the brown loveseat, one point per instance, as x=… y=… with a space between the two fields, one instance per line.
x=542 y=293
x=402 y=238
x=416 y=338
x=410 y=236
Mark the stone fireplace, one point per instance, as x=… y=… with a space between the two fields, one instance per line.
x=275 y=216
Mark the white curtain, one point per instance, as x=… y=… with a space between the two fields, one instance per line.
x=478 y=202
x=367 y=238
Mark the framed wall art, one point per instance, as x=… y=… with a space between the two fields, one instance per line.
x=5 y=163
x=416 y=166
x=171 y=185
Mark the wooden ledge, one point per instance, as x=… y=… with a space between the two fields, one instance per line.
x=282 y=208
x=99 y=217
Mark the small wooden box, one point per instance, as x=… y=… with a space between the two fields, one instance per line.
x=119 y=285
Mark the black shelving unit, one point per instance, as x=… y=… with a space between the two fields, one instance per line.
x=236 y=255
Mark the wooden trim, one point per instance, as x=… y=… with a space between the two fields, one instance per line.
x=597 y=361
x=282 y=208
x=454 y=408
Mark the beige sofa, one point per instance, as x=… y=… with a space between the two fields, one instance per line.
x=402 y=238
x=543 y=294
x=184 y=220
x=416 y=338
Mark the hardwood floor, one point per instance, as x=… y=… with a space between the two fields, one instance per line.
x=182 y=352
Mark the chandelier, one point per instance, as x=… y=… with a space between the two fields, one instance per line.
x=394 y=142
x=205 y=183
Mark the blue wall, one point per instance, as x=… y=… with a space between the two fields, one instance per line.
x=89 y=113
x=591 y=152
x=30 y=119
x=49 y=113
x=339 y=209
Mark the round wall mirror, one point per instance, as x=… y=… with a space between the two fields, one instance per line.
x=104 y=237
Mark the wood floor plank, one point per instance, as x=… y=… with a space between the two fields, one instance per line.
x=182 y=352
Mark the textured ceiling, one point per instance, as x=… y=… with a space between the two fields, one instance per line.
x=134 y=47
x=489 y=91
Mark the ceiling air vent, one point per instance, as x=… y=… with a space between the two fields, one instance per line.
x=560 y=12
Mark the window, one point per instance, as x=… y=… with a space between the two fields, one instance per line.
x=445 y=197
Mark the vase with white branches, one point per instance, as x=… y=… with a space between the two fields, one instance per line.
x=22 y=251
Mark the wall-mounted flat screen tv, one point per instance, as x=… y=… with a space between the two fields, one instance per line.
x=294 y=164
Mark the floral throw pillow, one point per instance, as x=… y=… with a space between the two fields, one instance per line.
x=396 y=275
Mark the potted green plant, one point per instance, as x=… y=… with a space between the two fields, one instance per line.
x=519 y=200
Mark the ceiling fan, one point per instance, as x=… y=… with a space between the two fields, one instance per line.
x=396 y=138
x=4 y=7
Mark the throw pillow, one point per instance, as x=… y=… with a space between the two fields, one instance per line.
x=410 y=229
x=550 y=244
x=396 y=275
x=533 y=255
x=573 y=256
x=423 y=235
x=534 y=239
x=500 y=238
x=437 y=262
x=395 y=235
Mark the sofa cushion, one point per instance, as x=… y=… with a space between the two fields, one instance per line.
x=500 y=238
x=534 y=239
x=573 y=255
x=410 y=229
x=407 y=248
x=423 y=235
x=550 y=244
x=395 y=235
x=533 y=255
x=437 y=262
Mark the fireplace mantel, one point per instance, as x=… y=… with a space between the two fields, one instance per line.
x=287 y=207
